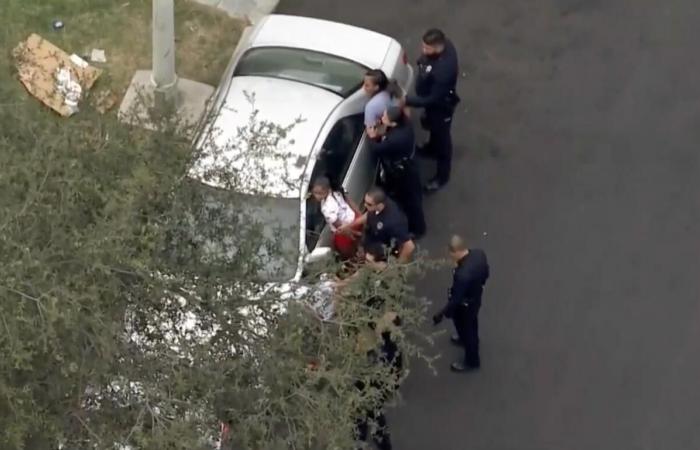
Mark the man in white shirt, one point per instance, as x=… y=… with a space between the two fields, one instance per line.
x=338 y=212
x=334 y=207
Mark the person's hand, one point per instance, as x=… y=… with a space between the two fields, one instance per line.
x=372 y=132
x=379 y=132
x=345 y=230
x=437 y=318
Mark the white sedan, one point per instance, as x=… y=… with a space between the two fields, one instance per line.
x=286 y=68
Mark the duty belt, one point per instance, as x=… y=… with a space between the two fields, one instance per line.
x=397 y=164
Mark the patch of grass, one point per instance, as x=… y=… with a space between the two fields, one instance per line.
x=205 y=38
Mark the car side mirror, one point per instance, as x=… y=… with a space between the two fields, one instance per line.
x=319 y=254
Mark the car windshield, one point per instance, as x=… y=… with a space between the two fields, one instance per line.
x=255 y=231
x=319 y=69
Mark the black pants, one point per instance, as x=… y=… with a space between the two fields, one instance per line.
x=381 y=435
x=466 y=322
x=404 y=186
x=389 y=354
x=440 y=143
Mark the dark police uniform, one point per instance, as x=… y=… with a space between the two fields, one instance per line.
x=388 y=227
x=395 y=151
x=436 y=86
x=387 y=353
x=468 y=280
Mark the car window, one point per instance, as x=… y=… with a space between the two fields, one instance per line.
x=339 y=148
x=329 y=72
x=333 y=162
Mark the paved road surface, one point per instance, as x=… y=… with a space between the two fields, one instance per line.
x=579 y=157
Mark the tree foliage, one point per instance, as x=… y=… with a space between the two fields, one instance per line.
x=132 y=310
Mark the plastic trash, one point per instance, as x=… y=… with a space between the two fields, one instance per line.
x=69 y=88
x=322 y=300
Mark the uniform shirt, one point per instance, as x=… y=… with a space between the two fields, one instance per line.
x=375 y=107
x=437 y=77
x=468 y=279
x=388 y=227
x=334 y=208
x=397 y=143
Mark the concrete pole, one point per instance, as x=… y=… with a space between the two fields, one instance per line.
x=163 y=75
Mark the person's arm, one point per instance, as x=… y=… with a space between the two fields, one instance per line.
x=439 y=91
x=406 y=252
x=373 y=132
x=354 y=206
x=401 y=237
x=373 y=120
x=361 y=220
x=374 y=264
x=370 y=118
x=457 y=294
x=353 y=231
x=384 y=148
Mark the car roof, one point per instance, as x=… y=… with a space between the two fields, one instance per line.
x=365 y=47
x=279 y=102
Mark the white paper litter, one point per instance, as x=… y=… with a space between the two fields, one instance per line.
x=78 y=61
x=98 y=55
x=69 y=88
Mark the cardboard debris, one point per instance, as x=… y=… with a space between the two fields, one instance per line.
x=39 y=62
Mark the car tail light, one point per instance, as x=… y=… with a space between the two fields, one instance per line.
x=404 y=57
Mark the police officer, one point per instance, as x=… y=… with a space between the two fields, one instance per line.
x=436 y=86
x=385 y=224
x=394 y=146
x=464 y=300
x=378 y=341
x=384 y=351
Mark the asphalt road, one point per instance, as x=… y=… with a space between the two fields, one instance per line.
x=578 y=155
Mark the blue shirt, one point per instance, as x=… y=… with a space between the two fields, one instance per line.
x=375 y=107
